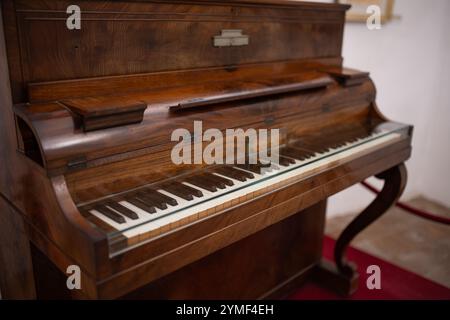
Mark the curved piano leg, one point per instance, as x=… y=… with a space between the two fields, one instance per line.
x=343 y=277
x=394 y=184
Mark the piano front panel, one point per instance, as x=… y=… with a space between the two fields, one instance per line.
x=149 y=37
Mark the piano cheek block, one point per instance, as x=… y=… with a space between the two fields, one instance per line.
x=98 y=114
x=113 y=120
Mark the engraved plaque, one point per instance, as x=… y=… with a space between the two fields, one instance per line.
x=230 y=38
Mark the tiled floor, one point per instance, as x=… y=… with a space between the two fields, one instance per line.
x=408 y=241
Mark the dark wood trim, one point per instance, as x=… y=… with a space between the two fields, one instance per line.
x=110 y=85
x=11 y=35
x=271 y=3
x=16 y=267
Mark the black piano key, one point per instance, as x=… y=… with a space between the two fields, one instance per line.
x=196 y=181
x=319 y=146
x=227 y=182
x=231 y=173
x=339 y=145
x=245 y=174
x=286 y=162
x=155 y=197
x=256 y=168
x=175 y=189
x=211 y=179
x=197 y=193
x=352 y=139
x=182 y=190
x=122 y=210
x=110 y=214
x=165 y=198
x=338 y=140
x=249 y=167
x=296 y=153
x=151 y=201
x=331 y=138
x=141 y=205
x=338 y=137
x=105 y=226
x=314 y=144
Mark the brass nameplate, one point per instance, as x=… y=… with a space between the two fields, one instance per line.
x=231 y=38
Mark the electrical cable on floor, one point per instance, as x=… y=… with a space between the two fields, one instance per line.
x=410 y=209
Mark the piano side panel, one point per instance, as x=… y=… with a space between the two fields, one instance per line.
x=7 y=126
x=34 y=200
x=16 y=278
x=15 y=256
x=9 y=26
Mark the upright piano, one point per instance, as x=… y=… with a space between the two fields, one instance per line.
x=88 y=182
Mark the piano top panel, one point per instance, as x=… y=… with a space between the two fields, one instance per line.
x=151 y=36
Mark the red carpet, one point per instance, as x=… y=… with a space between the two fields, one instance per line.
x=396 y=283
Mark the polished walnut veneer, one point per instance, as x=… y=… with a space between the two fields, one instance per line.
x=86 y=119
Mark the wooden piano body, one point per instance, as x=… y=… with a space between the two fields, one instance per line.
x=88 y=114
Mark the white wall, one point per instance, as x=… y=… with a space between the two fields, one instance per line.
x=409 y=60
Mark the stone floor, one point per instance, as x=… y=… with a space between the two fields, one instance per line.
x=408 y=241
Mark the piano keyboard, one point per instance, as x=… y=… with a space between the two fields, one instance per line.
x=151 y=211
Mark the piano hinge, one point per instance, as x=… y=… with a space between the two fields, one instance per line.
x=77 y=163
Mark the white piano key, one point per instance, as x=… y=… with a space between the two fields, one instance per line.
x=140 y=212
x=181 y=202
x=111 y=222
x=206 y=193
